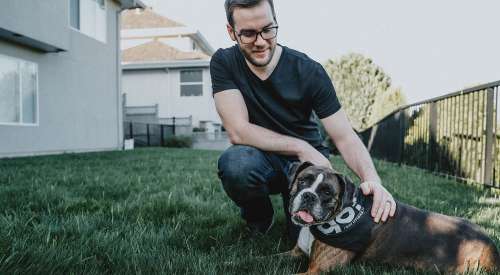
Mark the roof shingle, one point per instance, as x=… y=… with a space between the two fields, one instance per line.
x=158 y=51
x=146 y=18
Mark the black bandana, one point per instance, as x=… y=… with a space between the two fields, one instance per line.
x=351 y=228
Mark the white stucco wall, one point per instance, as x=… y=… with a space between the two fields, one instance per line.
x=145 y=87
x=78 y=89
x=162 y=87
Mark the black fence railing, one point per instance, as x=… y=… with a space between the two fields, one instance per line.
x=154 y=134
x=454 y=135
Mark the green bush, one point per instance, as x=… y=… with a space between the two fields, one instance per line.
x=178 y=141
x=199 y=129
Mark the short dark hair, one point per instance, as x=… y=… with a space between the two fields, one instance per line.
x=230 y=5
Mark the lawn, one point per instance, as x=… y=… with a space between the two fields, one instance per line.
x=157 y=210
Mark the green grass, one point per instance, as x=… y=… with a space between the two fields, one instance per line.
x=155 y=210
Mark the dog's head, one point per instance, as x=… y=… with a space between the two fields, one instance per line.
x=316 y=193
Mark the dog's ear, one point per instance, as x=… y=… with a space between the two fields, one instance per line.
x=295 y=170
x=348 y=189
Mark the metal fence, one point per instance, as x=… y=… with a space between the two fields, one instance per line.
x=455 y=135
x=154 y=134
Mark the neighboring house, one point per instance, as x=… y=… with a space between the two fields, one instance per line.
x=166 y=69
x=60 y=76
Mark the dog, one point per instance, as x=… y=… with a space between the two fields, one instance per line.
x=337 y=229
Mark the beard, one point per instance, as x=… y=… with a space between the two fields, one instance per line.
x=247 y=53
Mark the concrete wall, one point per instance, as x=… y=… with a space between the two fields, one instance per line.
x=162 y=87
x=79 y=99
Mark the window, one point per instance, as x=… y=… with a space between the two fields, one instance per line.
x=192 y=83
x=89 y=17
x=18 y=91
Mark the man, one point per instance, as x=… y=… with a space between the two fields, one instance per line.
x=265 y=94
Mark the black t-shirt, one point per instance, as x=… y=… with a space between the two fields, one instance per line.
x=285 y=101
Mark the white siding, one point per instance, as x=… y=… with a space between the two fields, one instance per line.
x=145 y=87
x=78 y=93
x=149 y=87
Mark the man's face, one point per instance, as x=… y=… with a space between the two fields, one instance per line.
x=255 y=19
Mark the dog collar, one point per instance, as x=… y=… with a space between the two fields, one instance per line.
x=351 y=228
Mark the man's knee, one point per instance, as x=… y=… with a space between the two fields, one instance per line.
x=242 y=169
x=232 y=162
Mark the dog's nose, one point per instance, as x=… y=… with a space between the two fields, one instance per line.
x=308 y=197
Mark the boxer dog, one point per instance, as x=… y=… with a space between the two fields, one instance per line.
x=337 y=229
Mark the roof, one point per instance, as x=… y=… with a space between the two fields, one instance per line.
x=158 y=51
x=173 y=64
x=146 y=18
x=158 y=33
x=131 y=4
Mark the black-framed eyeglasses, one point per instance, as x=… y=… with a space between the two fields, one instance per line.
x=250 y=36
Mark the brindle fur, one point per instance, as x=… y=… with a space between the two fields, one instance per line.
x=414 y=238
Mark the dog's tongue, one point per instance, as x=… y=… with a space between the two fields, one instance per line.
x=305 y=216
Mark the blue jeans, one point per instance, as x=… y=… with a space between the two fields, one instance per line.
x=250 y=175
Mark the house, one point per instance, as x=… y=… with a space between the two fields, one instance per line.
x=166 y=71
x=60 y=76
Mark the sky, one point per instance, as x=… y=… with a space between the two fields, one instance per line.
x=427 y=47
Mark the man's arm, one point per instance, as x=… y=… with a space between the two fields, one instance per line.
x=356 y=156
x=234 y=115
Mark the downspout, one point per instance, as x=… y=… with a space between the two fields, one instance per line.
x=120 y=136
x=169 y=96
x=119 y=81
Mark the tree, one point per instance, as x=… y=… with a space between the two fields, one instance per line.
x=364 y=90
x=386 y=103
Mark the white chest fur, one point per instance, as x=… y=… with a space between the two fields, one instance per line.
x=306 y=240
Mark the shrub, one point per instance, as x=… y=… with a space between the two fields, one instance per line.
x=178 y=141
x=199 y=129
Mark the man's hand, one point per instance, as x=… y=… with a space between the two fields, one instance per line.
x=383 y=203
x=309 y=153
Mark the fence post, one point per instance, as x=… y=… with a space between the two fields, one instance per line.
x=147 y=133
x=371 y=138
x=173 y=121
x=401 y=117
x=490 y=138
x=432 y=131
x=162 y=142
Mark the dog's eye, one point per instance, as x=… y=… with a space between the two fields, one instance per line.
x=328 y=193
